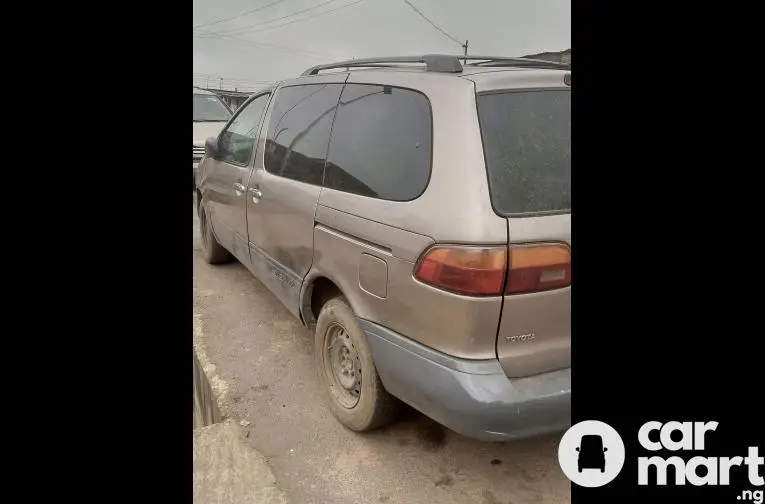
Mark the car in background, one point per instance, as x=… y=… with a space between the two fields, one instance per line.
x=210 y=115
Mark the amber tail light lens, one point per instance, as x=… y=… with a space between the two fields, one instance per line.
x=478 y=271
x=535 y=268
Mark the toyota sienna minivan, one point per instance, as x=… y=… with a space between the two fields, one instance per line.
x=414 y=213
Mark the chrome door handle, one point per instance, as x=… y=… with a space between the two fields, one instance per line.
x=238 y=188
x=256 y=194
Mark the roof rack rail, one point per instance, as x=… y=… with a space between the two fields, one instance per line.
x=438 y=63
x=504 y=61
x=433 y=63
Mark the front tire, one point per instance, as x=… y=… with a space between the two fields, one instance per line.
x=347 y=372
x=212 y=251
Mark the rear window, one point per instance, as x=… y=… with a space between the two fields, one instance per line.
x=381 y=143
x=527 y=145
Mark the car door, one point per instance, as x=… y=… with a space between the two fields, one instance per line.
x=226 y=176
x=284 y=187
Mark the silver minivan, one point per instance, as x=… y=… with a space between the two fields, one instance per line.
x=414 y=212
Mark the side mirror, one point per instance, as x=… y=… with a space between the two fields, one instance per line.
x=577 y=448
x=211 y=148
x=605 y=449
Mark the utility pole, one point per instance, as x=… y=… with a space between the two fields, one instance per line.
x=465 y=46
x=220 y=84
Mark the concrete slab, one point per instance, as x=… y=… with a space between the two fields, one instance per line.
x=228 y=471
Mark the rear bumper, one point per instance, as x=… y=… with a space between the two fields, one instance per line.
x=473 y=398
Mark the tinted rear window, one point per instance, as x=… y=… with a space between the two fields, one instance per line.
x=527 y=145
x=381 y=143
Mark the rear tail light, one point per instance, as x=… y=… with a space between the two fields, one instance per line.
x=535 y=268
x=478 y=271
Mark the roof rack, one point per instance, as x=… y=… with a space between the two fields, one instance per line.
x=439 y=63
x=503 y=61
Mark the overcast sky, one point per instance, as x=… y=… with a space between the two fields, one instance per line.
x=280 y=41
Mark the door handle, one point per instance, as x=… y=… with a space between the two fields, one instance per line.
x=238 y=188
x=256 y=194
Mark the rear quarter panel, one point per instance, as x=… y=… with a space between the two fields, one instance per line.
x=535 y=331
x=458 y=326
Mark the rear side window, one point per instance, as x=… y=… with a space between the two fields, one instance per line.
x=527 y=145
x=298 y=131
x=381 y=143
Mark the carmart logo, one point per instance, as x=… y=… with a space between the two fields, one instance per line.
x=716 y=470
x=591 y=454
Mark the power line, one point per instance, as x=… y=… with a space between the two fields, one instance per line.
x=305 y=18
x=232 y=30
x=214 y=79
x=246 y=13
x=230 y=81
x=219 y=83
x=214 y=87
x=201 y=75
x=293 y=21
x=434 y=25
x=275 y=46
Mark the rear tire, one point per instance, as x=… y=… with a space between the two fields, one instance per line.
x=347 y=372
x=212 y=251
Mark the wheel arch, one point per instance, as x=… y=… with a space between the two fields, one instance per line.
x=317 y=289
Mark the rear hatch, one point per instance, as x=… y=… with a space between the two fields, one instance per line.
x=527 y=146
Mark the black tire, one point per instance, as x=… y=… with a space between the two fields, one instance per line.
x=374 y=408
x=212 y=251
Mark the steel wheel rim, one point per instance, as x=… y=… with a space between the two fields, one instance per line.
x=342 y=366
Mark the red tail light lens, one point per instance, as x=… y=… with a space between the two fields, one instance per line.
x=464 y=270
x=535 y=268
